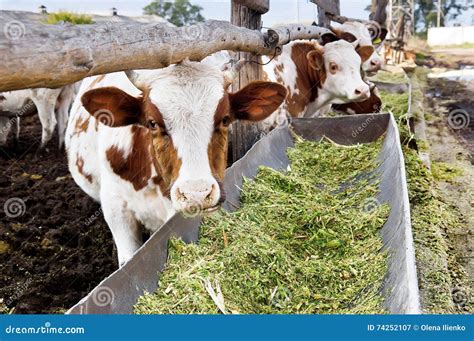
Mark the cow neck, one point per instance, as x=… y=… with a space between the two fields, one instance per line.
x=309 y=81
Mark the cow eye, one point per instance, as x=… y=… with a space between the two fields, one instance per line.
x=226 y=121
x=333 y=67
x=152 y=124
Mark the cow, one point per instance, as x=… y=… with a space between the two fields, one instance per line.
x=366 y=34
x=52 y=106
x=317 y=76
x=148 y=144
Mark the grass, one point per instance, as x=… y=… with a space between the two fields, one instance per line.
x=73 y=18
x=389 y=77
x=300 y=243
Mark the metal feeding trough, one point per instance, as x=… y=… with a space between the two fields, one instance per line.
x=118 y=293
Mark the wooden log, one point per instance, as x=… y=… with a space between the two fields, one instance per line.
x=326 y=9
x=259 y=6
x=51 y=56
x=243 y=135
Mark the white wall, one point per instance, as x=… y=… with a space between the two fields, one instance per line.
x=450 y=35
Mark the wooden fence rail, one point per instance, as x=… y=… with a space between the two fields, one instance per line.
x=37 y=55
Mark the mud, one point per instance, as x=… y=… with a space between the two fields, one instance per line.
x=54 y=244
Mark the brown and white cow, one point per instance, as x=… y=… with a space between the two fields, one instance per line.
x=162 y=142
x=366 y=34
x=317 y=76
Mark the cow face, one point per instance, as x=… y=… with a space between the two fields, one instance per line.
x=338 y=65
x=185 y=111
x=366 y=34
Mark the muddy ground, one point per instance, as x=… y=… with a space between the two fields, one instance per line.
x=452 y=143
x=54 y=244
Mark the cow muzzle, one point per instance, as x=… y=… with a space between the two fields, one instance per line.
x=196 y=197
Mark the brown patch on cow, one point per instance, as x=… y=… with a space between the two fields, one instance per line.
x=371 y=105
x=308 y=80
x=80 y=168
x=96 y=81
x=82 y=123
x=136 y=167
x=166 y=162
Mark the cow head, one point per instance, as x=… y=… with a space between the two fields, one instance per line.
x=338 y=65
x=185 y=110
x=367 y=34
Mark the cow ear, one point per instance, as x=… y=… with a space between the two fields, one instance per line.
x=328 y=38
x=348 y=37
x=112 y=106
x=316 y=59
x=256 y=101
x=365 y=52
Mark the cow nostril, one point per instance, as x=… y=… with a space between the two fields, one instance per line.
x=357 y=92
x=209 y=195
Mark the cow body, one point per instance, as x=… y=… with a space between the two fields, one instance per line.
x=150 y=151
x=52 y=106
x=313 y=88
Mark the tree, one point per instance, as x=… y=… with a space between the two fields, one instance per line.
x=426 y=11
x=177 y=12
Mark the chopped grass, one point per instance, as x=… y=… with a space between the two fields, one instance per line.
x=73 y=18
x=302 y=242
x=388 y=77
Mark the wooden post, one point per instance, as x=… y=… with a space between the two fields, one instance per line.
x=243 y=136
x=326 y=9
x=380 y=12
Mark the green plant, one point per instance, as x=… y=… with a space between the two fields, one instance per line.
x=73 y=18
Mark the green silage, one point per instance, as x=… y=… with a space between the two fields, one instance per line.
x=302 y=242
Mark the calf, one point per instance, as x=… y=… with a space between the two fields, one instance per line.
x=52 y=106
x=317 y=76
x=155 y=143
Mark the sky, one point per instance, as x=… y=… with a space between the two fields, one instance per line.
x=280 y=10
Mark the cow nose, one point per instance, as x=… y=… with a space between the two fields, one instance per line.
x=197 y=195
x=375 y=65
x=362 y=92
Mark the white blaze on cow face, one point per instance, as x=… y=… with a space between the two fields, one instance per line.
x=365 y=38
x=343 y=81
x=187 y=100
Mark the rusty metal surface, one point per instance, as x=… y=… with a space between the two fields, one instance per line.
x=118 y=293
